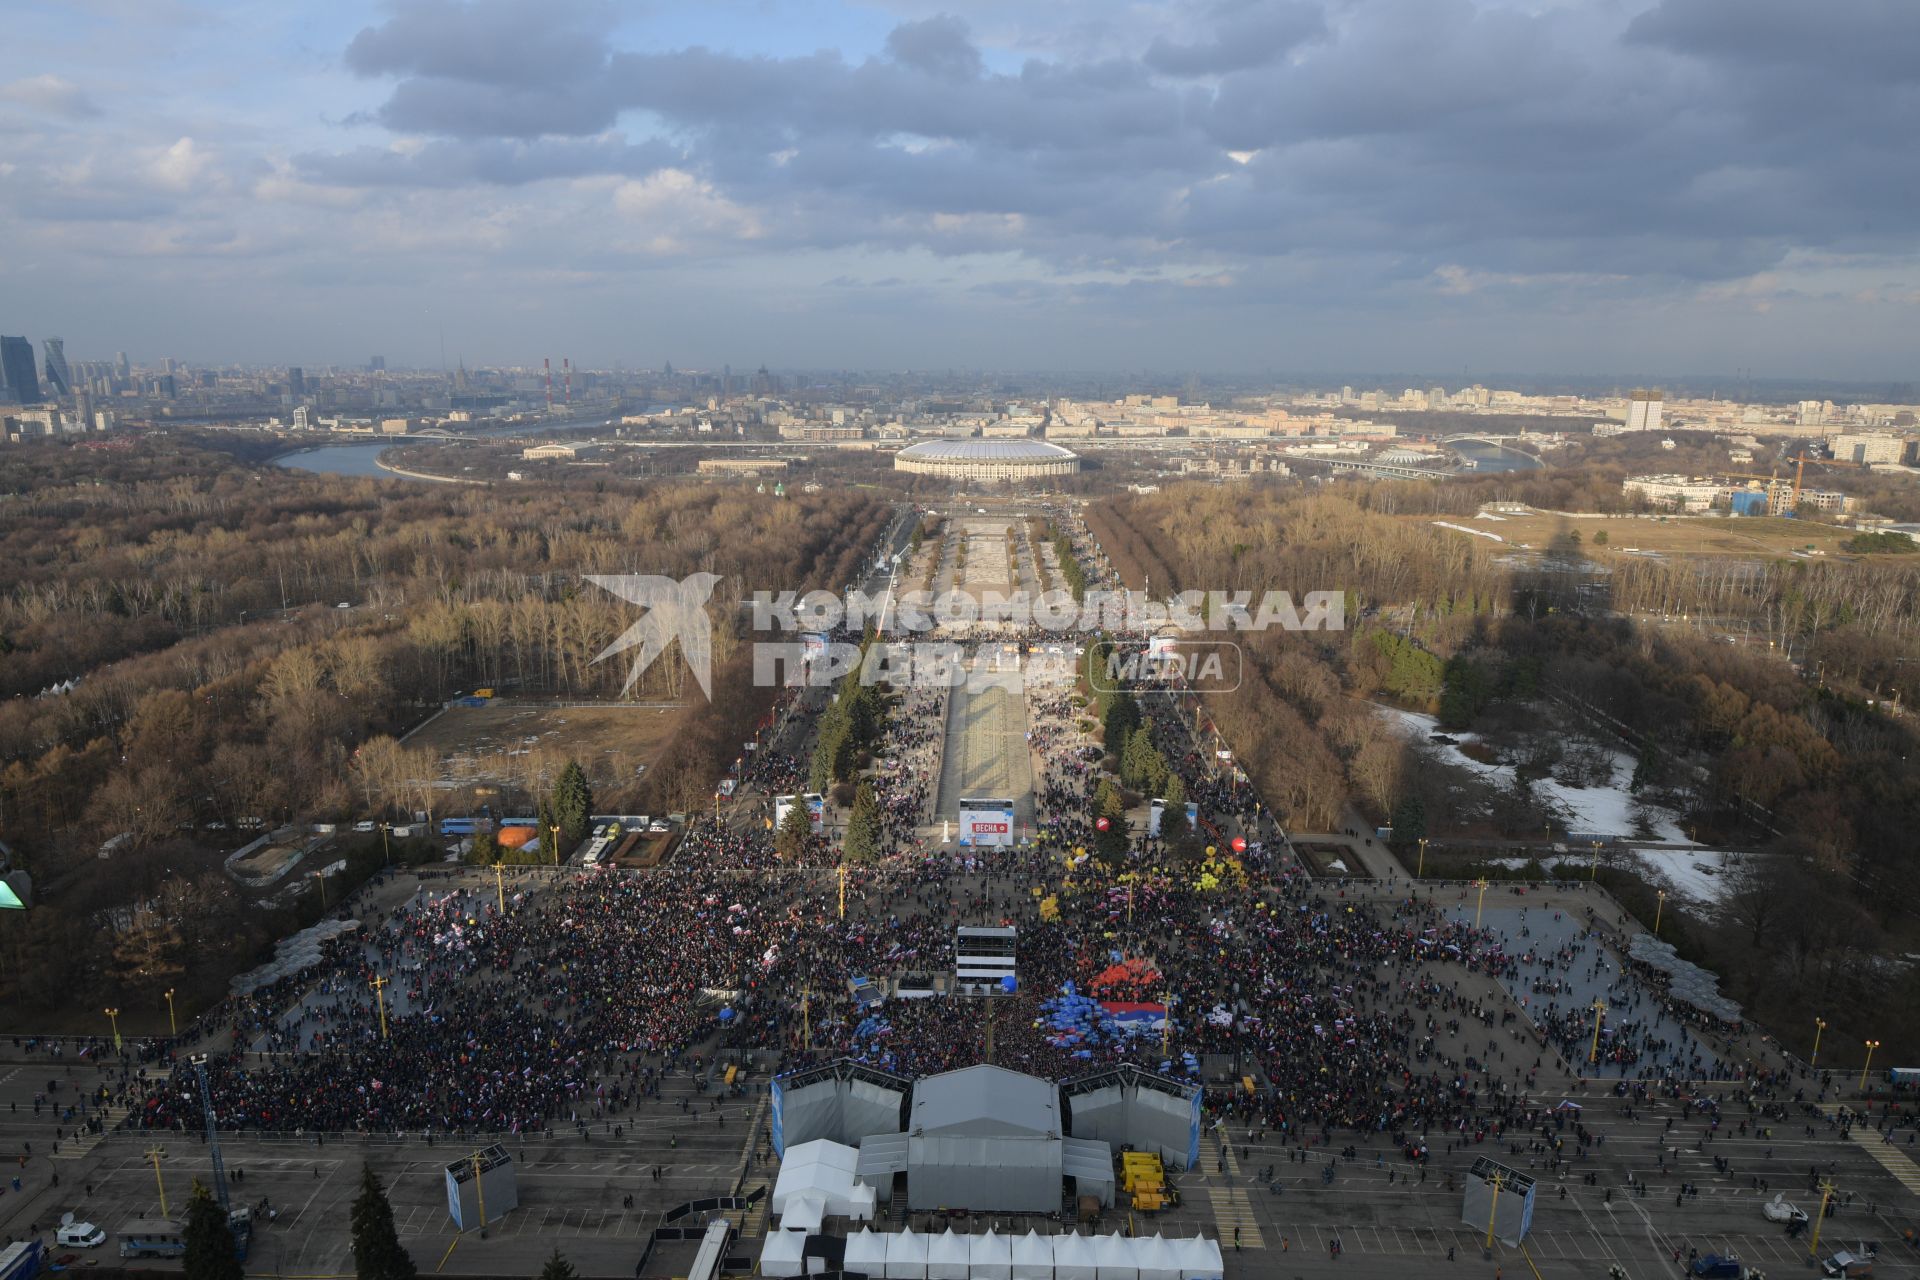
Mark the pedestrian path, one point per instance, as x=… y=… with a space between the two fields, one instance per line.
x=1232 y=1210
x=1893 y=1160
x=78 y=1146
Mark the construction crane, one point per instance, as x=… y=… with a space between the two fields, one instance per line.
x=241 y=1222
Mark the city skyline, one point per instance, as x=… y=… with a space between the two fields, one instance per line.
x=1564 y=188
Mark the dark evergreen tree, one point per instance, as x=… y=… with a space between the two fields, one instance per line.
x=790 y=841
x=557 y=1267
x=863 y=827
x=209 y=1240
x=377 y=1252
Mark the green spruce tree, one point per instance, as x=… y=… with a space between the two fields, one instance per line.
x=209 y=1240
x=572 y=802
x=377 y=1252
x=790 y=841
x=1110 y=844
x=557 y=1267
x=863 y=827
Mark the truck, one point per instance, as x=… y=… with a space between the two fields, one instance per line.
x=21 y=1260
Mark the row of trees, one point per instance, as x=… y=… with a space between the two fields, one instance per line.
x=157 y=578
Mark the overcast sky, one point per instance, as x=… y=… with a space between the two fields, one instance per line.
x=1557 y=186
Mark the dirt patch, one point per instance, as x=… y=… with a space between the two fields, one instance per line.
x=1626 y=536
x=522 y=746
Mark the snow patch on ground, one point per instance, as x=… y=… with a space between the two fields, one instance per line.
x=1695 y=874
x=1461 y=528
x=1600 y=811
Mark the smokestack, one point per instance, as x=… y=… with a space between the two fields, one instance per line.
x=547 y=361
x=566 y=364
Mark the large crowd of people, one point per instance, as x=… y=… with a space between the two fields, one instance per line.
x=590 y=984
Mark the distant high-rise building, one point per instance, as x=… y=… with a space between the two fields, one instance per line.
x=59 y=377
x=1437 y=398
x=166 y=385
x=16 y=370
x=1645 y=410
x=302 y=420
x=296 y=380
x=121 y=364
x=376 y=364
x=83 y=409
x=169 y=366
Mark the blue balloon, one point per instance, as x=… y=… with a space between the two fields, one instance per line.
x=726 y=1015
x=1009 y=984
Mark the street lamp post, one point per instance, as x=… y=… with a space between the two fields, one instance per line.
x=1826 y=1194
x=113 y=1018
x=173 y=1026
x=321 y=876
x=386 y=849
x=1659 y=909
x=1819 y=1025
x=1482 y=902
x=1599 y=1012
x=1868 y=1065
x=1593 y=867
x=156 y=1154
x=379 y=986
x=1493 y=1208
x=500 y=884
x=1421 y=873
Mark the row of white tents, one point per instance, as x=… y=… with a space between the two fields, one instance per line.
x=914 y=1255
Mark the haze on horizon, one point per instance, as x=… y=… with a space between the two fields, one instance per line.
x=1557 y=185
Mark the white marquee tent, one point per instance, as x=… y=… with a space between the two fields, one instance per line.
x=1032 y=1257
x=1115 y=1257
x=820 y=1171
x=948 y=1257
x=990 y=1257
x=911 y=1255
x=906 y=1256
x=867 y=1254
x=783 y=1254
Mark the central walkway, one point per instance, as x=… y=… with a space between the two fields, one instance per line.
x=986 y=745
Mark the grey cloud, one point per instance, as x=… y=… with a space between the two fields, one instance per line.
x=51 y=94
x=1247 y=34
x=524 y=44
x=937 y=46
x=1846 y=38
x=1405 y=134
x=446 y=162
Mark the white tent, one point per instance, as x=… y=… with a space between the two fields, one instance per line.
x=1199 y=1258
x=1156 y=1259
x=804 y=1214
x=947 y=1256
x=907 y=1256
x=866 y=1253
x=781 y=1255
x=1073 y=1258
x=823 y=1170
x=990 y=1257
x=1113 y=1258
x=1032 y=1257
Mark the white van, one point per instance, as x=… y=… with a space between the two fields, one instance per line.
x=80 y=1235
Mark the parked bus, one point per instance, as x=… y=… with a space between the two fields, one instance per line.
x=152 y=1238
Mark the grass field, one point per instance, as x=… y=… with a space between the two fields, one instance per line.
x=524 y=745
x=1668 y=535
